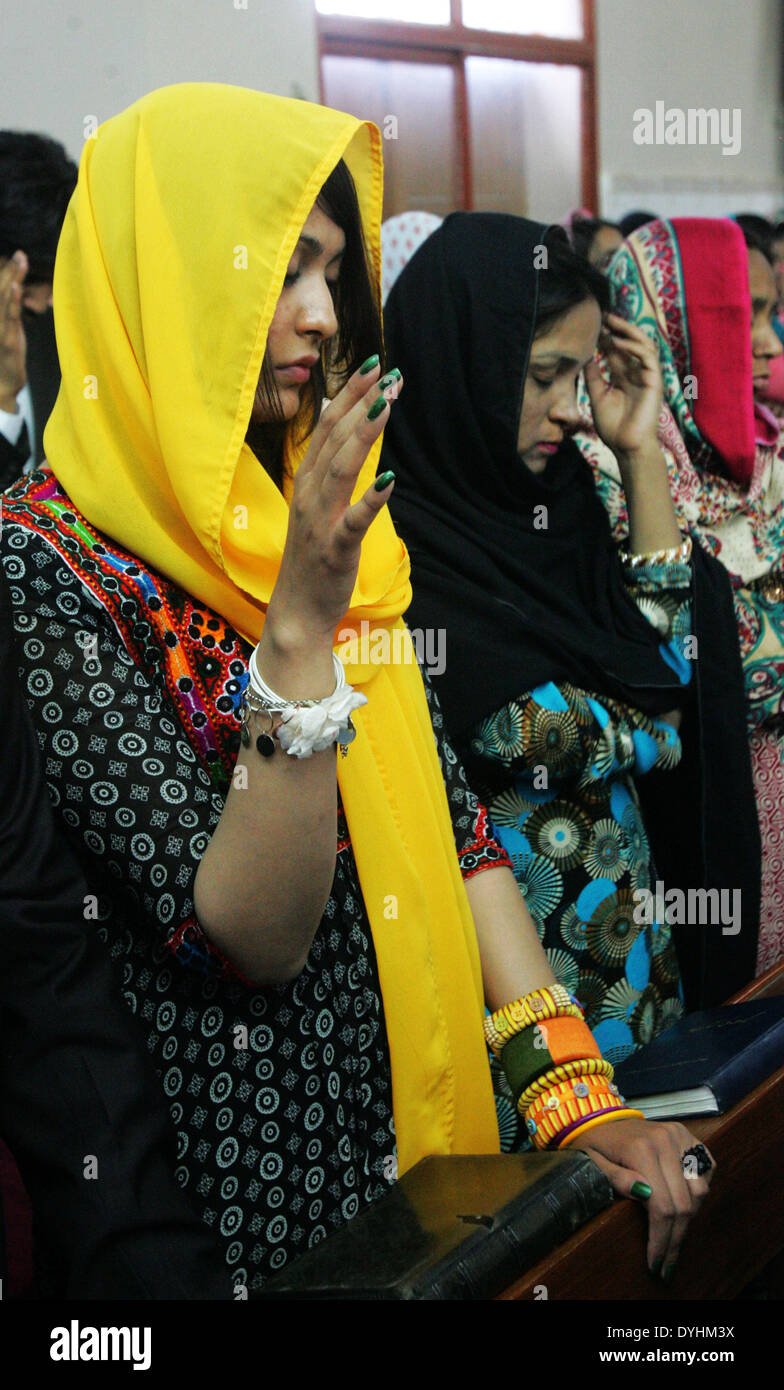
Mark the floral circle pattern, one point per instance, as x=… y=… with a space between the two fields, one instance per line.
x=581 y=857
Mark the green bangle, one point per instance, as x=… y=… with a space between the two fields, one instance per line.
x=524 y=1058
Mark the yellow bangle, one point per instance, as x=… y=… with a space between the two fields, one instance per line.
x=599 y=1120
x=551 y=1001
x=577 y=1088
x=565 y=1071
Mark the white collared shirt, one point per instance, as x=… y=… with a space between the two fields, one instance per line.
x=11 y=425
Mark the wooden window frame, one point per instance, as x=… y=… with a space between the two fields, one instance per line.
x=450 y=44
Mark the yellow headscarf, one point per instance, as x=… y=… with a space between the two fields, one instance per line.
x=188 y=208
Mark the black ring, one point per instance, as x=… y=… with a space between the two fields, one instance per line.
x=704 y=1160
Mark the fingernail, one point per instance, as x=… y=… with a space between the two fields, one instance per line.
x=18 y=258
x=390 y=379
x=668 y=1273
x=383 y=480
x=641 y=1190
x=656 y=1266
x=376 y=408
x=369 y=365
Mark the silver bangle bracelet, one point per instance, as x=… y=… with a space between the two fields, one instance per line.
x=303 y=727
x=279 y=702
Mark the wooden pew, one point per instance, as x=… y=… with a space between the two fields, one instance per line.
x=739 y=1230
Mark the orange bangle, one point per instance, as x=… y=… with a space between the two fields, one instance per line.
x=552 y=1115
x=581 y=1088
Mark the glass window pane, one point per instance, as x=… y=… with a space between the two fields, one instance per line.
x=557 y=19
x=526 y=140
x=413 y=106
x=404 y=11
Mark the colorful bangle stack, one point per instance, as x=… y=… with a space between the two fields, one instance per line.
x=534 y=1052
x=565 y=1107
x=554 y=1067
x=551 y=1001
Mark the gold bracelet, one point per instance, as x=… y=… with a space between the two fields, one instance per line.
x=676 y=555
x=770 y=585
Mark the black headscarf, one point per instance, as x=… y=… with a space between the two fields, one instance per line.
x=522 y=605
x=519 y=568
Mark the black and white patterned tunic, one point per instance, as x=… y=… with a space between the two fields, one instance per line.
x=281 y=1097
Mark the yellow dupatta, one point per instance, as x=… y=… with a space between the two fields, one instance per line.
x=187 y=210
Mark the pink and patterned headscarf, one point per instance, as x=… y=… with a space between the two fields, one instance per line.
x=686 y=283
x=400 y=237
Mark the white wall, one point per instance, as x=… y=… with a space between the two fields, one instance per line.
x=691 y=53
x=67 y=59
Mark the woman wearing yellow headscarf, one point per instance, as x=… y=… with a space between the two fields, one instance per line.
x=313 y=1038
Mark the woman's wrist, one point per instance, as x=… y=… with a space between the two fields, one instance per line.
x=647 y=455
x=296 y=661
x=653 y=524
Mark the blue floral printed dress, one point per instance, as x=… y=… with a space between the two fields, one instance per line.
x=556 y=768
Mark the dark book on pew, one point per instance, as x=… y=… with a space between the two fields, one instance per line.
x=707 y=1061
x=456 y=1227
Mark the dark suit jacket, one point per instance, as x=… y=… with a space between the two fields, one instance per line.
x=75 y=1079
x=43 y=376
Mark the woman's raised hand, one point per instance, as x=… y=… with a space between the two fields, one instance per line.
x=633 y=1152
x=13 y=347
x=626 y=413
x=321 y=555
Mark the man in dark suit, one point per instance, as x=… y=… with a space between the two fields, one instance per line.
x=36 y=182
x=80 y=1107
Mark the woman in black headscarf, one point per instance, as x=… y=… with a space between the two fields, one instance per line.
x=567 y=665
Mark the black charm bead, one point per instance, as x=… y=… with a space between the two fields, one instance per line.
x=266 y=745
x=245 y=736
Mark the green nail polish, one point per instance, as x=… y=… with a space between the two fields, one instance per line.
x=656 y=1266
x=668 y=1273
x=369 y=365
x=376 y=408
x=389 y=379
x=383 y=480
x=641 y=1190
